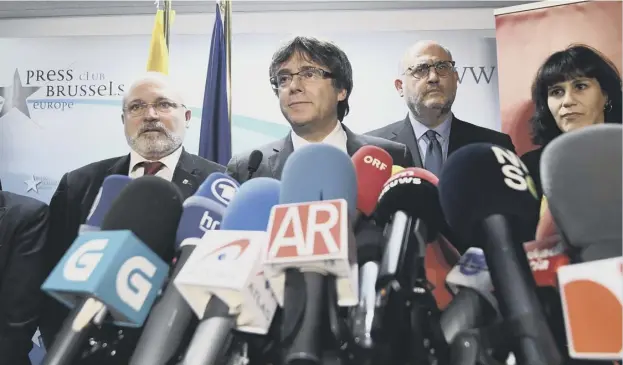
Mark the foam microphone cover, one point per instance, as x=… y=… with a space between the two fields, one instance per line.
x=319 y=172
x=373 y=168
x=482 y=179
x=151 y=208
x=581 y=177
x=411 y=194
x=250 y=208
x=255 y=159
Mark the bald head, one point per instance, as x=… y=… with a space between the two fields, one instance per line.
x=421 y=48
x=157 y=79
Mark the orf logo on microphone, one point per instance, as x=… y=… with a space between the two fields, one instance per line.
x=223 y=190
x=84 y=260
x=375 y=162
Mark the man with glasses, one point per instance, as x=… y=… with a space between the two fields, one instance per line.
x=428 y=83
x=312 y=80
x=155 y=121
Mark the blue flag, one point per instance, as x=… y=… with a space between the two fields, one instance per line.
x=215 y=136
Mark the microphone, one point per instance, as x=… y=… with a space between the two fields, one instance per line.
x=171 y=316
x=545 y=257
x=110 y=189
x=223 y=280
x=593 y=308
x=409 y=208
x=310 y=253
x=255 y=159
x=588 y=215
x=487 y=196
x=474 y=305
x=372 y=168
x=396 y=169
x=119 y=269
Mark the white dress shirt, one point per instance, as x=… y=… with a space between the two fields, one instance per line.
x=443 y=135
x=337 y=138
x=169 y=161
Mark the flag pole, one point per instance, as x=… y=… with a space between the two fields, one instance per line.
x=167 y=23
x=225 y=6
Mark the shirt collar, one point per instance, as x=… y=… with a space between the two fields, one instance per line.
x=170 y=161
x=337 y=138
x=442 y=129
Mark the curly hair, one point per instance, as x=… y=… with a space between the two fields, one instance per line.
x=577 y=60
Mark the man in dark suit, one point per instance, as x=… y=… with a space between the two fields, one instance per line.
x=313 y=80
x=430 y=130
x=23 y=229
x=155 y=121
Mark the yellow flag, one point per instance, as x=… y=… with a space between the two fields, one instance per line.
x=158 y=59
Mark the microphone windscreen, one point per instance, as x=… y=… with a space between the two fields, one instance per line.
x=151 y=208
x=111 y=187
x=218 y=187
x=250 y=208
x=255 y=159
x=482 y=179
x=424 y=174
x=372 y=167
x=397 y=169
x=412 y=195
x=581 y=177
x=319 y=172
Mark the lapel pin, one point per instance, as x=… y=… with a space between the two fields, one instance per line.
x=185 y=182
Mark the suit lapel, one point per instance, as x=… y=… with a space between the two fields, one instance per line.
x=121 y=167
x=185 y=175
x=353 y=142
x=278 y=159
x=457 y=135
x=404 y=134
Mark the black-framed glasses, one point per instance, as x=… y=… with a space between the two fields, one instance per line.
x=442 y=68
x=138 y=108
x=283 y=79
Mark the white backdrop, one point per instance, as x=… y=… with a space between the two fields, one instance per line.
x=35 y=151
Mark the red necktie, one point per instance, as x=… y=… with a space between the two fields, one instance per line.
x=152 y=168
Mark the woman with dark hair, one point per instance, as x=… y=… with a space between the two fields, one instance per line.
x=574 y=88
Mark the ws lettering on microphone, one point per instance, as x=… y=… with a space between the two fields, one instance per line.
x=113 y=267
x=314 y=237
x=228 y=264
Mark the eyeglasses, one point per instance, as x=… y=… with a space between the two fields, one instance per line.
x=139 y=108
x=284 y=79
x=443 y=68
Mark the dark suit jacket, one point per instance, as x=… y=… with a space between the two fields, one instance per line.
x=461 y=134
x=276 y=153
x=71 y=204
x=23 y=228
x=532 y=160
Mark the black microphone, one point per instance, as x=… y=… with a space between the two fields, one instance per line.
x=255 y=159
x=488 y=197
x=409 y=208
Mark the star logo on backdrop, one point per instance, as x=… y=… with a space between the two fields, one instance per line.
x=15 y=96
x=32 y=184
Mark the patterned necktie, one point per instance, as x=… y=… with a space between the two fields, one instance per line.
x=151 y=168
x=434 y=156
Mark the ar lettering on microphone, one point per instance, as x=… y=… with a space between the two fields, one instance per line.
x=375 y=162
x=515 y=172
x=208 y=223
x=308 y=229
x=223 y=190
